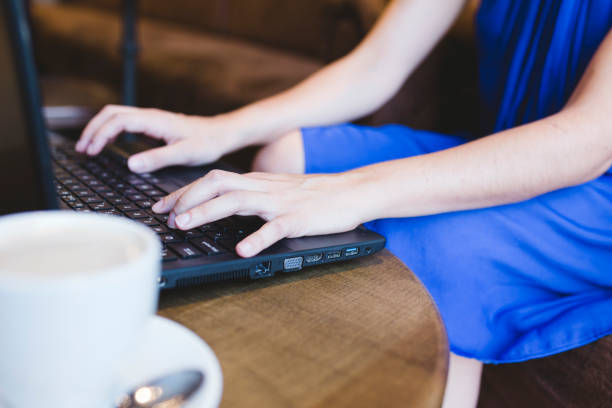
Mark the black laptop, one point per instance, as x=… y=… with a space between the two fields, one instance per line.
x=41 y=170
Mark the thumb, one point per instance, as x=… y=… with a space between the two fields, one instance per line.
x=154 y=159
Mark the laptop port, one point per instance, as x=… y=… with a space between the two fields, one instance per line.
x=334 y=254
x=262 y=270
x=293 y=263
x=351 y=251
x=313 y=258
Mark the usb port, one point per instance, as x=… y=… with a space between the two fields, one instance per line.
x=351 y=251
x=334 y=254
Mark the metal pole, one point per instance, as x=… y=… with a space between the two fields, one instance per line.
x=130 y=52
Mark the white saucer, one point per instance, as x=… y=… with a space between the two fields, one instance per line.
x=169 y=347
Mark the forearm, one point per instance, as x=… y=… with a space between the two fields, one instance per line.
x=360 y=82
x=562 y=150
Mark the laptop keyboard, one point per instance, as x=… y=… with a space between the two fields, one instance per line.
x=103 y=184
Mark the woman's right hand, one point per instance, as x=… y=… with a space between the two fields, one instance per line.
x=190 y=140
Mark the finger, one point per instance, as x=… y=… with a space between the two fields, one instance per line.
x=117 y=123
x=271 y=232
x=154 y=159
x=214 y=183
x=243 y=202
x=94 y=125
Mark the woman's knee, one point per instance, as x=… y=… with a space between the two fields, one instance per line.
x=284 y=155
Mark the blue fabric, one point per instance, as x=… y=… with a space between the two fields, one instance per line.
x=532 y=55
x=518 y=281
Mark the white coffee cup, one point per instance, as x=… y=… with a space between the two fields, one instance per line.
x=76 y=291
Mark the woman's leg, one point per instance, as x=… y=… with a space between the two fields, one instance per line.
x=462 y=383
x=284 y=155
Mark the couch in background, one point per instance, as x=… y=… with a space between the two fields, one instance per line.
x=210 y=56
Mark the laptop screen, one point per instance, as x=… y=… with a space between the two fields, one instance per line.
x=22 y=140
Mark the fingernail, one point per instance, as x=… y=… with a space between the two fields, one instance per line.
x=136 y=164
x=171 y=219
x=157 y=206
x=91 y=149
x=183 y=220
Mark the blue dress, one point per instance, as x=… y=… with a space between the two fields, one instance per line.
x=518 y=281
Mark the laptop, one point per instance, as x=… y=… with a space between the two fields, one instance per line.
x=40 y=170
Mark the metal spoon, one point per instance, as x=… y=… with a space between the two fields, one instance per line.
x=169 y=391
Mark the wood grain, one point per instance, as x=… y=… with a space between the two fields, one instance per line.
x=354 y=334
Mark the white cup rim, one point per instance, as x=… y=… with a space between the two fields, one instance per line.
x=41 y=283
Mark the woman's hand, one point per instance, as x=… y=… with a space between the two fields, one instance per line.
x=292 y=205
x=190 y=140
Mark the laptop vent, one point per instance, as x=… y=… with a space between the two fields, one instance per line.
x=213 y=277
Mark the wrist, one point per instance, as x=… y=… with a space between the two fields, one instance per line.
x=259 y=123
x=364 y=193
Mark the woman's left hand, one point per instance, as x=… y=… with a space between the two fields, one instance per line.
x=293 y=205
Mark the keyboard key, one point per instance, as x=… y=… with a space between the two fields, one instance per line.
x=155 y=193
x=150 y=221
x=85 y=210
x=77 y=204
x=160 y=229
x=100 y=206
x=127 y=207
x=185 y=250
x=109 y=194
x=93 y=199
x=145 y=203
x=119 y=186
x=77 y=187
x=162 y=218
x=104 y=175
x=84 y=193
x=93 y=183
x=166 y=186
x=214 y=235
x=136 y=214
x=207 y=247
x=110 y=212
x=101 y=188
x=229 y=243
x=85 y=177
x=168 y=255
x=144 y=187
x=119 y=201
x=136 y=197
x=192 y=234
x=169 y=238
x=135 y=180
x=208 y=227
x=69 y=198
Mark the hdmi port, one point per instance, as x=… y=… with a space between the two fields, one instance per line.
x=313 y=258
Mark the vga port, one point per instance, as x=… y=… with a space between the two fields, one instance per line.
x=293 y=263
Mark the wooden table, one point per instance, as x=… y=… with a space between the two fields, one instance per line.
x=362 y=333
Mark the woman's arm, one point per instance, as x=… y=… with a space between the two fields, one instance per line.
x=569 y=148
x=565 y=149
x=360 y=82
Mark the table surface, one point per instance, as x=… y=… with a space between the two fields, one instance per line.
x=361 y=333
